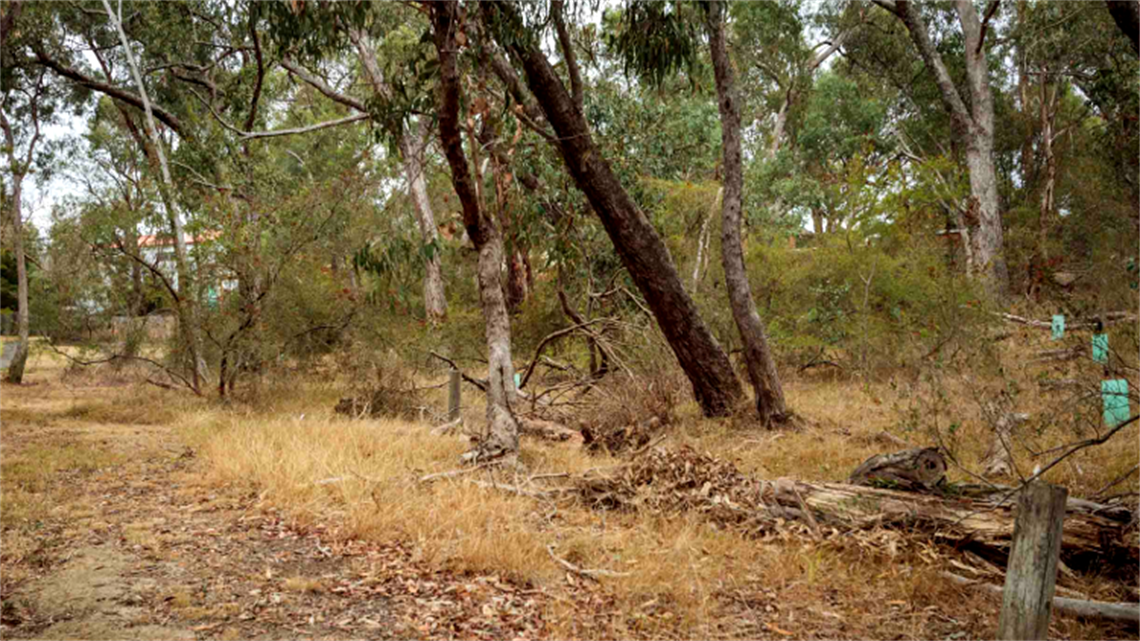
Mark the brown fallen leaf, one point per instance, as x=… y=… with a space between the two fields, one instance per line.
x=777 y=630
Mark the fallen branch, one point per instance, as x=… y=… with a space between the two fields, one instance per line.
x=1106 y=319
x=453 y=473
x=1127 y=612
x=589 y=574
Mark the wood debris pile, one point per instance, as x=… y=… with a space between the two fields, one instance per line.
x=614 y=437
x=1096 y=537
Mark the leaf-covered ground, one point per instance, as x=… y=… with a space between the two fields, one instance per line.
x=116 y=525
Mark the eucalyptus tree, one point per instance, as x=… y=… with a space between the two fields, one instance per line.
x=393 y=63
x=770 y=403
x=30 y=100
x=21 y=157
x=640 y=247
x=971 y=113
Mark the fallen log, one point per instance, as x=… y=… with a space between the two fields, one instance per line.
x=914 y=469
x=986 y=522
x=979 y=518
x=1126 y=612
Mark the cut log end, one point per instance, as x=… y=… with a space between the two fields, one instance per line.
x=922 y=468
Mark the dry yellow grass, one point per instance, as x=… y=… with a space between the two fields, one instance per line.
x=685 y=575
x=686 y=578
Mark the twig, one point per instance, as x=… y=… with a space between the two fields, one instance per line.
x=807 y=514
x=481 y=384
x=453 y=473
x=1116 y=481
x=589 y=574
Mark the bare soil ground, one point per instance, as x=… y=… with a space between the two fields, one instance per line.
x=127 y=544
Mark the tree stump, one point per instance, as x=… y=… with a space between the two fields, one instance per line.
x=921 y=468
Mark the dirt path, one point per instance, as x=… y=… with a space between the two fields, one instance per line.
x=110 y=532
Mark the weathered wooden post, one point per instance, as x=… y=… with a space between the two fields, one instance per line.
x=453 y=402
x=1031 y=574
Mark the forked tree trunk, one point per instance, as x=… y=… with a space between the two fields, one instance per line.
x=412 y=148
x=641 y=249
x=974 y=128
x=757 y=356
x=502 y=428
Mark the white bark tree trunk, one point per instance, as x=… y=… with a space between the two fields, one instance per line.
x=16 y=367
x=187 y=320
x=412 y=147
x=974 y=127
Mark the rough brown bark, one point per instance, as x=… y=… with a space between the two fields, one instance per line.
x=502 y=435
x=640 y=247
x=1126 y=13
x=761 y=366
x=974 y=128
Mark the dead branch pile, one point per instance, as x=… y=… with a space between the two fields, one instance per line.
x=616 y=437
x=682 y=480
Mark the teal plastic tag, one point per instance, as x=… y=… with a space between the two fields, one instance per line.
x=1115 y=395
x=1100 y=348
x=518 y=380
x=1058 y=327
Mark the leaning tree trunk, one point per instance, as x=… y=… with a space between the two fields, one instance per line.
x=641 y=249
x=757 y=356
x=502 y=432
x=16 y=367
x=187 y=319
x=412 y=148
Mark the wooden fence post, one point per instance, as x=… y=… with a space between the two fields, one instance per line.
x=1031 y=574
x=453 y=401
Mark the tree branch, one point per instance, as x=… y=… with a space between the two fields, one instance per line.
x=985 y=25
x=567 y=46
x=167 y=118
x=321 y=85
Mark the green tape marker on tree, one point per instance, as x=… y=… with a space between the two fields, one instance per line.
x=1058 y=327
x=1100 y=348
x=1115 y=394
